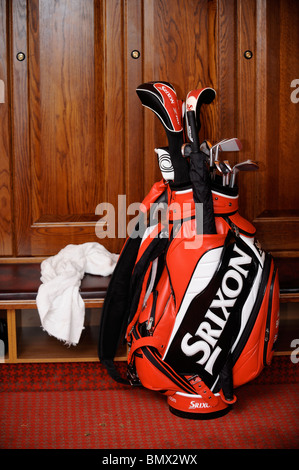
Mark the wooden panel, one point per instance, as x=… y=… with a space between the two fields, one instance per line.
x=11 y=333
x=113 y=94
x=246 y=103
x=6 y=237
x=69 y=130
x=225 y=44
x=65 y=185
x=267 y=120
x=58 y=179
x=78 y=133
x=133 y=109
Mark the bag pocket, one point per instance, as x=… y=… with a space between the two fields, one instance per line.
x=256 y=349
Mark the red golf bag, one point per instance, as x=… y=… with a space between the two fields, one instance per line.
x=199 y=311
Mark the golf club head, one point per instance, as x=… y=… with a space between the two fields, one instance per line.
x=230 y=145
x=161 y=98
x=165 y=163
x=226 y=163
x=215 y=148
x=247 y=165
x=218 y=166
x=186 y=150
x=205 y=147
x=194 y=101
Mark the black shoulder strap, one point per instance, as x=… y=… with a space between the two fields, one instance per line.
x=116 y=307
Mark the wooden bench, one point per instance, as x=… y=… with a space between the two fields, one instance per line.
x=19 y=285
x=288 y=269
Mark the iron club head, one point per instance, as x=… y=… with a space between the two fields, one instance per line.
x=248 y=165
x=215 y=148
x=231 y=145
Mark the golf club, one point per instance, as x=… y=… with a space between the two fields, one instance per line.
x=225 y=171
x=165 y=163
x=199 y=175
x=229 y=170
x=213 y=150
x=194 y=101
x=205 y=147
x=161 y=98
x=248 y=165
x=230 y=145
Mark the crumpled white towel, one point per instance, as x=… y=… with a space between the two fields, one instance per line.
x=59 y=303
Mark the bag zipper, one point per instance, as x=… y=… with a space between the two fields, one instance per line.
x=151 y=320
x=255 y=310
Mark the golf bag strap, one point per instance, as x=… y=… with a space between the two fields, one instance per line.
x=195 y=381
x=151 y=341
x=113 y=372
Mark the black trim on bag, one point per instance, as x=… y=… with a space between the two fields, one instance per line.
x=175 y=357
x=151 y=354
x=255 y=311
x=165 y=369
x=224 y=214
x=116 y=301
x=234 y=226
x=269 y=315
x=155 y=249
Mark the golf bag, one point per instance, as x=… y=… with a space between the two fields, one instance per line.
x=198 y=306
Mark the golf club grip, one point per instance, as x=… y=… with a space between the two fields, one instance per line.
x=194 y=132
x=180 y=164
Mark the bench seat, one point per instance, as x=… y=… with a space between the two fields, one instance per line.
x=20 y=282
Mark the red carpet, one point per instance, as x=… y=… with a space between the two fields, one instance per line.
x=265 y=417
x=85 y=409
x=93 y=376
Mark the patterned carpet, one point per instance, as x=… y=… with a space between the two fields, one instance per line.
x=77 y=406
x=93 y=376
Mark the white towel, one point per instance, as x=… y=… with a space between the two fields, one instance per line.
x=59 y=303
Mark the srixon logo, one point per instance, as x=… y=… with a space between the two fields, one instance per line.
x=195 y=405
x=205 y=339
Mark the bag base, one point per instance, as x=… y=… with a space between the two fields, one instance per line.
x=195 y=407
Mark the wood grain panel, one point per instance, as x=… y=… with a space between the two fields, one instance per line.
x=133 y=23
x=277 y=208
x=288 y=110
x=65 y=182
x=265 y=116
x=70 y=127
x=246 y=103
x=6 y=235
x=21 y=153
x=225 y=44
x=113 y=93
